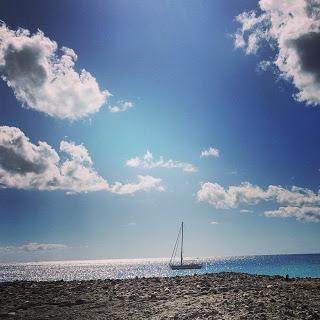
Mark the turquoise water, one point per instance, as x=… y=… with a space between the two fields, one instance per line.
x=297 y=265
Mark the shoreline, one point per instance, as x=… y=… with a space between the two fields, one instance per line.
x=226 y=295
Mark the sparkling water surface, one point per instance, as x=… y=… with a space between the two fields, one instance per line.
x=296 y=265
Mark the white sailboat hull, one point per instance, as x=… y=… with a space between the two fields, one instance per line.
x=182 y=265
x=186 y=266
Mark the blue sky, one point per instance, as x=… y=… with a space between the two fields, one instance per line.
x=190 y=89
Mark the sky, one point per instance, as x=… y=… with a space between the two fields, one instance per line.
x=120 y=119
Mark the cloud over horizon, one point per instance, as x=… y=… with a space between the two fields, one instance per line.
x=33 y=247
x=44 y=78
x=148 y=162
x=292 y=31
x=24 y=165
x=301 y=203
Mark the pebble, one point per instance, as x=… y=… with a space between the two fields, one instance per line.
x=214 y=296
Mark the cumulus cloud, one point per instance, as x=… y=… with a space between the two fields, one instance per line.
x=121 y=106
x=309 y=214
x=210 y=152
x=302 y=203
x=145 y=183
x=292 y=30
x=221 y=198
x=25 y=165
x=148 y=162
x=44 y=78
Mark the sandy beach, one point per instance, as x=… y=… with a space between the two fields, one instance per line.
x=212 y=296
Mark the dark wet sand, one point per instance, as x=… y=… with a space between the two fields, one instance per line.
x=214 y=296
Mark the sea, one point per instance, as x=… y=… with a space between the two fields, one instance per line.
x=295 y=265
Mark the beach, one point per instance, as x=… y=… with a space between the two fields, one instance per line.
x=210 y=296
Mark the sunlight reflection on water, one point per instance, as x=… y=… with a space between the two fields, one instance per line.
x=295 y=265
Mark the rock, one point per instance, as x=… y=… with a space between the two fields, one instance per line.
x=153 y=296
x=81 y=301
x=11 y=314
x=215 y=296
x=64 y=304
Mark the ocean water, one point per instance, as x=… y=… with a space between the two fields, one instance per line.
x=297 y=265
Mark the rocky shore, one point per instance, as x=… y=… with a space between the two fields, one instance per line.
x=212 y=296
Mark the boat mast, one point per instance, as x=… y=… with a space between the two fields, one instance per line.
x=181 y=257
x=176 y=247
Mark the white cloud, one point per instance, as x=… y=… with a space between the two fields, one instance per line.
x=264 y=65
x=302 y=203
x=309 y=214
x=292 y=29
x=210 y=152
x=246 y=211
x=33 y=247
x=214 y=222
x=45 y=80
x=25 y=165
x=121 y=106
x=221 y=198
x=148 y=162
x=145 y=183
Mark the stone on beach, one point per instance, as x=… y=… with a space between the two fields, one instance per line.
x=212 y=296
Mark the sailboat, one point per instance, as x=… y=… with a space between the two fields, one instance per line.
x=183 y=264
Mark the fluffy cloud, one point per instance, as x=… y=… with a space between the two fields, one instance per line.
x=292 y=29
x=309 y=214
x=121 y=106
x=302 y=203
x=210 y=152
x=217 y=196
x=44 y=79
x=25 y=165
x=296 y=196
x=148 y=162
x=145 y=183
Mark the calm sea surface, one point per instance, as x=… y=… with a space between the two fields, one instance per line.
x=297 y=265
